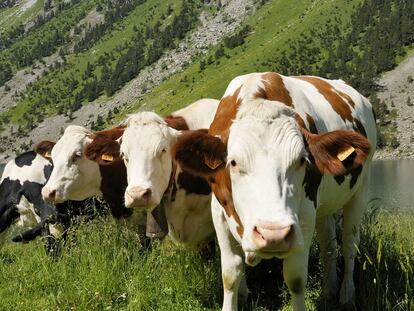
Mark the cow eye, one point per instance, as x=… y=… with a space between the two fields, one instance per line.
x=302 y=161
x=233 y=163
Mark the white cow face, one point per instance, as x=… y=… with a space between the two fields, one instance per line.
x=74 y=177
x=146 y=150
x=266 y=159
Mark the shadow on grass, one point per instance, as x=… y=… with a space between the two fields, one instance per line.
x=6 y=258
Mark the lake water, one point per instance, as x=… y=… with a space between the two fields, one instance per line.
x=392 y=184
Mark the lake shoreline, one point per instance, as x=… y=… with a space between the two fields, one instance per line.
x=396 y=154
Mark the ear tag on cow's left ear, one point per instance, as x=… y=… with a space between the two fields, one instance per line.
x=107 y=157
x=343 y=155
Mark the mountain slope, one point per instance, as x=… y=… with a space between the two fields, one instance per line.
x=122 y=57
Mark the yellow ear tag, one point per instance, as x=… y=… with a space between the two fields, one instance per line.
x=47 y=155
x=107 y=157
x=345 y=153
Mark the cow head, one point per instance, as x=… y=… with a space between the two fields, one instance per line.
x=257 y=172
x=145 y=149
x=74 y=177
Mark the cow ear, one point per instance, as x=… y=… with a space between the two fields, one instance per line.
x=44 y=148
x=337 y=152
x=200 y=153
x=103 y=150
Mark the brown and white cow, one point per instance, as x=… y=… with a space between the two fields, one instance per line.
x=154 y=179
x=75 y=177
x=81 y=171
x=281 y=154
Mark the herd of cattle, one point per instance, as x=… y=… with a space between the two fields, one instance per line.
x=263 y=168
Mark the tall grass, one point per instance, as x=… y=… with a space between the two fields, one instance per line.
x=104 y=267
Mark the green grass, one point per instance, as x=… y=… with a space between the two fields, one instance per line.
x=103 y=267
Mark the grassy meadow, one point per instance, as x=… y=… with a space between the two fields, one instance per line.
x=104 y=267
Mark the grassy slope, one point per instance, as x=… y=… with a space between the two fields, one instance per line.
x=274 y=24
x=104 y=268
x=146 y=14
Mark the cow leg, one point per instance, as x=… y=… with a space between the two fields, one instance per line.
x=295 y=266
x=326 y=234
x=231 y=257
x=352 y=216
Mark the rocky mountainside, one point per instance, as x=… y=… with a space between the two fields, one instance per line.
x=217 y=20
x=91 y=62
x=398 y=94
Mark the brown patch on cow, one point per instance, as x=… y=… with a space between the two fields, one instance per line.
x=44 y=148
x=113 y=133
x=274 y=89
x=193 y=184
x=220 y=182
x=339 y=101
x=114 y=174
x=222 y=190
x=226 y=113
x=113 y=185
x=177 y=123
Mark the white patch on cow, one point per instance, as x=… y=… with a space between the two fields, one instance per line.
x=74 y=177
x=236 y=83
x=199 y=114
x=15 y=172
x=189 y=219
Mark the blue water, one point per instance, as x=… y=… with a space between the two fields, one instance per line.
x=392 y=184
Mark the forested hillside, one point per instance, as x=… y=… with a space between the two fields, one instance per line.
x=92 y=61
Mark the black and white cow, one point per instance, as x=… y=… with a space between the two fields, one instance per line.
x=24 y=214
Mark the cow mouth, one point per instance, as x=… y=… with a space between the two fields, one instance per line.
x=272 y=254
x=148 y=206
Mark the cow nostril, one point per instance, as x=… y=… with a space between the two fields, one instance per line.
x=147 y=194
x=257 y=233
x=52 y=194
